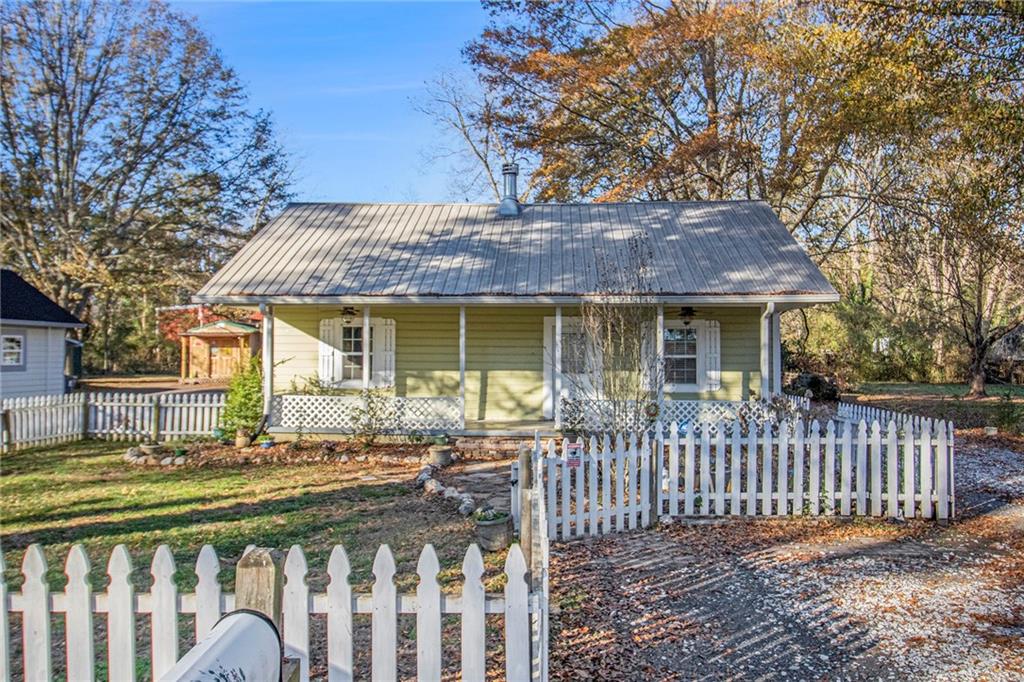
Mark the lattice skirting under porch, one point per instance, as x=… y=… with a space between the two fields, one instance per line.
x=354 y=414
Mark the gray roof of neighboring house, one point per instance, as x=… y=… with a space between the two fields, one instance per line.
x=22 y=302
x=321 y=250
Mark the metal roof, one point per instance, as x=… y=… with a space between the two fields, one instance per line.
x=221 y=328
x=329 y=250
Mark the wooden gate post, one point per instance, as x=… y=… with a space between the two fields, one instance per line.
x=259 y=583
x=6 y=436
x=526 y=503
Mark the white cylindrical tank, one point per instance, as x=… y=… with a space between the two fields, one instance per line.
x=244 y=645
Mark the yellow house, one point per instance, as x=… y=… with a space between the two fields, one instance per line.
x=475 y=315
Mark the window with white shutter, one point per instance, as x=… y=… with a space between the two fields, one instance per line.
x=692 y=356
x=341 y=352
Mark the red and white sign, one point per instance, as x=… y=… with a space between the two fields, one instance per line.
x=573 y=454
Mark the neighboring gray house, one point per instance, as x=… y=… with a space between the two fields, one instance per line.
x=33 y=339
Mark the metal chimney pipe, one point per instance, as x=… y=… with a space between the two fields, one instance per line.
x=509 y=206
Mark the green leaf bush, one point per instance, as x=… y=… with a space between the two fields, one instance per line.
x=243 y=407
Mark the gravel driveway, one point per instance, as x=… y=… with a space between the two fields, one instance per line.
x=805 y=599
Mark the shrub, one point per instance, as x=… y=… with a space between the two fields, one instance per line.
x=243 y=408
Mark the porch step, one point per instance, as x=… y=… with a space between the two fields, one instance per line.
x=490 y=447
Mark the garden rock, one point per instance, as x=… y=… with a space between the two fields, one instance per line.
x=167 y=461
x=423 y=476
x=178 y=461
x=451 y=493
x=467 y=505
x=433 y=486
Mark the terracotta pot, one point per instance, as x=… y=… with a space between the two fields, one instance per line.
x=243 y=441
x=494 y=536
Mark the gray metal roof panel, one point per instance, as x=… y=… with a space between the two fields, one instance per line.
x=697 y=248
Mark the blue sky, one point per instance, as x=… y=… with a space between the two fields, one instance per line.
x=342 y=80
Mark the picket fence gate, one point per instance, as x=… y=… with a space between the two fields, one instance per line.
x=855 y=412
x=44 y=420
x=163 y=605
x=594 y=487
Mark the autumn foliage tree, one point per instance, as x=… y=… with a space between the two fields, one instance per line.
x=131 y=163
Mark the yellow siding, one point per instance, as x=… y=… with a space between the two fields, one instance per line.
x=504 y=353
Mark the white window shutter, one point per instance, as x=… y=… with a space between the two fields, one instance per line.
x=383 y=352
x=325 y=366
x=712 y=356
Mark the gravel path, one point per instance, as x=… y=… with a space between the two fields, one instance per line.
x=805 y=599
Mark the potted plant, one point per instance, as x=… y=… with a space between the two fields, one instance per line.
x=180 y=450
x=266 y=441
x=493 y=529
x=440 y=452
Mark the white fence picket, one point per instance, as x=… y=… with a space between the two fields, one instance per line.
x=517 y=617
x=926 y=472
x=720 y=472
x=798 y=468
x=384 y=636
x=78 y=602
x=339 y=617
x=164 y=615
x=35 y=628
x=295 y=609
x=120 y=616
x=606 y=484
x=620 y=483
x=892 y=457
x=735 y=469
x=474 y=664
x=208 y=592
x=705 y=469
x=752 y=471
x=782 y=503
x=644 y=466
x=814 y=455
x=673 y=469
x=428 y=617
x=592 y=478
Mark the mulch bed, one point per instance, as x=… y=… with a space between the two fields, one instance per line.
x=306 y=452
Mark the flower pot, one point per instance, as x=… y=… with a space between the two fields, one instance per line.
x=180 y=452
x=243 y=441
x=151 y=449
x=266 y=444
x=494 y=536
x=440 y=455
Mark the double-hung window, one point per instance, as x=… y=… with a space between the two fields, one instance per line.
x=12 y=350
x=691 y=356
x=341 y=352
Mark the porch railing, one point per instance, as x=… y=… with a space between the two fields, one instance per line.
x=344 y=414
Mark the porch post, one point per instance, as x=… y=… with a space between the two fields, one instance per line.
x=268 y=357
x=766 y=332
x=776 y=355
x=462 y=362
x=660 y=350
x=366 y=347
x=558 y=367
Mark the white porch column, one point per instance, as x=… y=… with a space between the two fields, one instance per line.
x=558 y=366
x=660 y=350
x=462 y=361
x=776 y=355
x=766 y=358
x=366 y=347
x=268 y=356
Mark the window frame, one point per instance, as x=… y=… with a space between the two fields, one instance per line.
x=21 y=351
x=697 y=355
x=355 y=382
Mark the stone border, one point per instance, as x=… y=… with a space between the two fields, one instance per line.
x=431 y=486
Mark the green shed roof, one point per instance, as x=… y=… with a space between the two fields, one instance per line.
x=222 y=327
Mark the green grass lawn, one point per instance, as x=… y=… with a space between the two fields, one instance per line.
x=84 y=493
x=946 y=401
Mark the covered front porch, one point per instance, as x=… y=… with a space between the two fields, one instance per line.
x=478 y=369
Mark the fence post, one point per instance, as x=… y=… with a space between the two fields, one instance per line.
x=259 y=583
x=525 y=506
x=154 y=431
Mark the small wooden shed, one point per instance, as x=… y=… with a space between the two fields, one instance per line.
x=217 y=350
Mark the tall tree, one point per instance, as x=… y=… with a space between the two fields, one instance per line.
x=130 y=161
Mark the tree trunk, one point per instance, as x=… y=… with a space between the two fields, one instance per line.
x=976 y=376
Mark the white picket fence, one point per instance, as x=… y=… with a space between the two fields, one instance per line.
x=124 y=611
x=855 y=412
x=595 y=487
x=43 y=420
